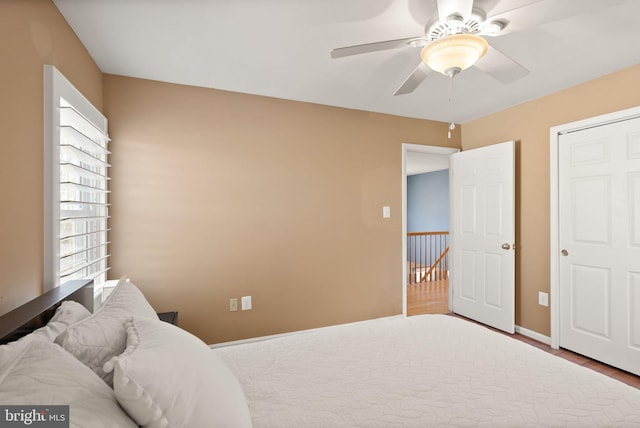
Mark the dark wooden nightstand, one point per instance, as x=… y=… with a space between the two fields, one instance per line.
x=170 y=317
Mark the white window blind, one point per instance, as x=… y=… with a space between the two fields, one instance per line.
x=76 y=185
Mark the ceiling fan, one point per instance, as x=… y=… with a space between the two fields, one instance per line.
x=453 y=41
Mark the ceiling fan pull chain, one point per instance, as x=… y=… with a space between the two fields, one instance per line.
x=452 y=125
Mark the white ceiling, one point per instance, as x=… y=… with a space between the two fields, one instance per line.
x=280 y=48
x=421 y=163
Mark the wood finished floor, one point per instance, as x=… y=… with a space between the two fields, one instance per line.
x=433 y=298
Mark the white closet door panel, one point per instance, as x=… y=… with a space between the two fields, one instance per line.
x=599 y=231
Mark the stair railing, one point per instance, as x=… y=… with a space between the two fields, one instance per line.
x=427 y=254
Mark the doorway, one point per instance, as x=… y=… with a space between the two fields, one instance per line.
x=432 y=296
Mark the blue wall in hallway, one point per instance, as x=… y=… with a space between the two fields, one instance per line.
x=428 y=202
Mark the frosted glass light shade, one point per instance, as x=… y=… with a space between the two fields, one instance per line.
x=452 y=54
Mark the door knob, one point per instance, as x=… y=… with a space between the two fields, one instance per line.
x=506 y=246
x=564 y=252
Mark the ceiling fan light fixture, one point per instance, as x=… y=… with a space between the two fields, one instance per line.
x=452 y=54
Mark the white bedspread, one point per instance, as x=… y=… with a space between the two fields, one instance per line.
x=424 y=371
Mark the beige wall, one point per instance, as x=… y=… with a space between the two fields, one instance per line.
x=529 y=125
x=218 y=195
x=32 y=33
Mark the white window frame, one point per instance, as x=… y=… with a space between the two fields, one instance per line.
x=56 y=86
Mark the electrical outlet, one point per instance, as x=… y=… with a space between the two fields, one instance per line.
x=246 y=303
x=543 y=298
x=233 y=305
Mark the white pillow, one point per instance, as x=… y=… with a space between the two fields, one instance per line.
x=167 y=377
x=68 y=313
x=101 y=336
x=36 y=372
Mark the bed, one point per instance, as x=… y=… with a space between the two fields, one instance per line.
x=429 y=370
x=122 y=367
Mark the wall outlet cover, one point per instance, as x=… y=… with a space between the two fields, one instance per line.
x=543 y=298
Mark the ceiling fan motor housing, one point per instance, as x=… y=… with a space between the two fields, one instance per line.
x=455 y=24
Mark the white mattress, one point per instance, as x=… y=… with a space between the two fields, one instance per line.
x=430 y=370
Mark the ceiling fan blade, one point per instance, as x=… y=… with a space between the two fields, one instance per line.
x=497 y=7
x=414 y=80
x=423 y=11
x=544 y=12
x=447 y=8
x=500 y=67
x=372 y=47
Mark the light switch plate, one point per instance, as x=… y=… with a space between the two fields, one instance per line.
x=386 y=212
x=246 y=303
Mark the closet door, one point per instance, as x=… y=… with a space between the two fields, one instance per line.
x=599 y=237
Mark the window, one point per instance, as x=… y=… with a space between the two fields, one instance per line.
x=75 y=166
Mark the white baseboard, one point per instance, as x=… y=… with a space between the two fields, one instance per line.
x=273 y=336
x=533 y=335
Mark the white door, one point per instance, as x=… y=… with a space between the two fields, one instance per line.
x=599 y=238
x=483 y=235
